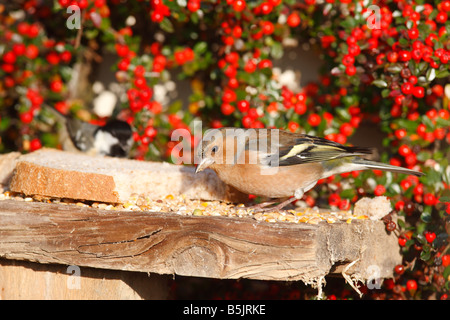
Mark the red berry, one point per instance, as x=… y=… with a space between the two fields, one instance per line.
x=266 y=8
x=265 y=63
x=53 y=58
x=379 y=190
x=411 y=285
x=243 y=106
x=229 y=96
x=150 y=132
x=293 y=126
x=26 y=117
x=350 y=70
x=293 y=20
x=419 y=92
x=66 y=56
x=404 y=55
x=391 y=226
x=267 y=27
x=239 y=5
x=399 y=269
x=407 y=88
x=99 y=3
x=413 y=33
x=441 y=17
x=35 y=144
x=446 y=260
x=402 y=241
x=346 y=129
x=421 y=129
x=193 y=5
x=392 y=56
x=19 y=49
x=140 y=83
x=404 y=150
x=247 y=121
x=314 y=119
x=9 y=57
x=344 y=204
x=250 y=66
x=334 y=199
x=300 y=108
x=139 y=71
x=354 y=49
x=430 y=236
x=439 y=133
x=348 y=60
x=412 y=79
x=82 y=4
x=227 y=109
x=56 y=85
x=429 y=199
x=400 y=133
x=122 y=50
x=418 y=189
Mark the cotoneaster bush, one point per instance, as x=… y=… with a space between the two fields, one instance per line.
x=389 y=67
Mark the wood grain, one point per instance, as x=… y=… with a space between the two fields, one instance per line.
x=215 y=247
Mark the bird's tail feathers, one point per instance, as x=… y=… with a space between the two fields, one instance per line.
x=385 y=167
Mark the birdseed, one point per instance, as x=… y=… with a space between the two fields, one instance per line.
x=187 y=207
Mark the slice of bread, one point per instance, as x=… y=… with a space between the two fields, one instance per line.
x=60 y=174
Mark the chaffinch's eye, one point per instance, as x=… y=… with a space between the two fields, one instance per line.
x=214 y=150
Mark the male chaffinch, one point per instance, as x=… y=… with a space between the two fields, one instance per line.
x=279 y=164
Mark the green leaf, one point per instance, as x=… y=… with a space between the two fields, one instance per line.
x=394 y=68
x=431 y=74
x=343 y=113
x=407 y=124
x=200 y=48
x=167 y=25
x=426 y=215
x=446 y=272
x=442 y=73
x=380 y=83
x=347 y=193
x=401 y=223
x=385 y=93
x=425 y=255
x=423 y=155
x=276 y=50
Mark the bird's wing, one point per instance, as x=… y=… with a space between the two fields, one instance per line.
x=299 y=149
x=81 y=133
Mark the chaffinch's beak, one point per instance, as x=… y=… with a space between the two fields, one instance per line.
x=205 y=163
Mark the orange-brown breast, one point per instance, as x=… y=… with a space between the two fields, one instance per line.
x=278 y=183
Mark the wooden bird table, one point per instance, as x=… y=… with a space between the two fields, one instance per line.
x=50 y=234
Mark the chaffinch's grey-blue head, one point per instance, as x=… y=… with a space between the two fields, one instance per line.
x=280 y=164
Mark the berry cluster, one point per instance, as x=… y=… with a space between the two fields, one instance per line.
x=390 y=69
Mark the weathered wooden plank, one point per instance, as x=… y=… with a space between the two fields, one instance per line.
x=216 y=247
x=33 y=281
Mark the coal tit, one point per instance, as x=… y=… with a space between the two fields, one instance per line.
x=114 y=139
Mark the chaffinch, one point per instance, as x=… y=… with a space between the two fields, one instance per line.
x=279 y=164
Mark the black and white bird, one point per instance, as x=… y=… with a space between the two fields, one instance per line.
x=114 y=139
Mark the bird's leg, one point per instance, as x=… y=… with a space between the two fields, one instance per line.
x=259 y=205
x=280 y=206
